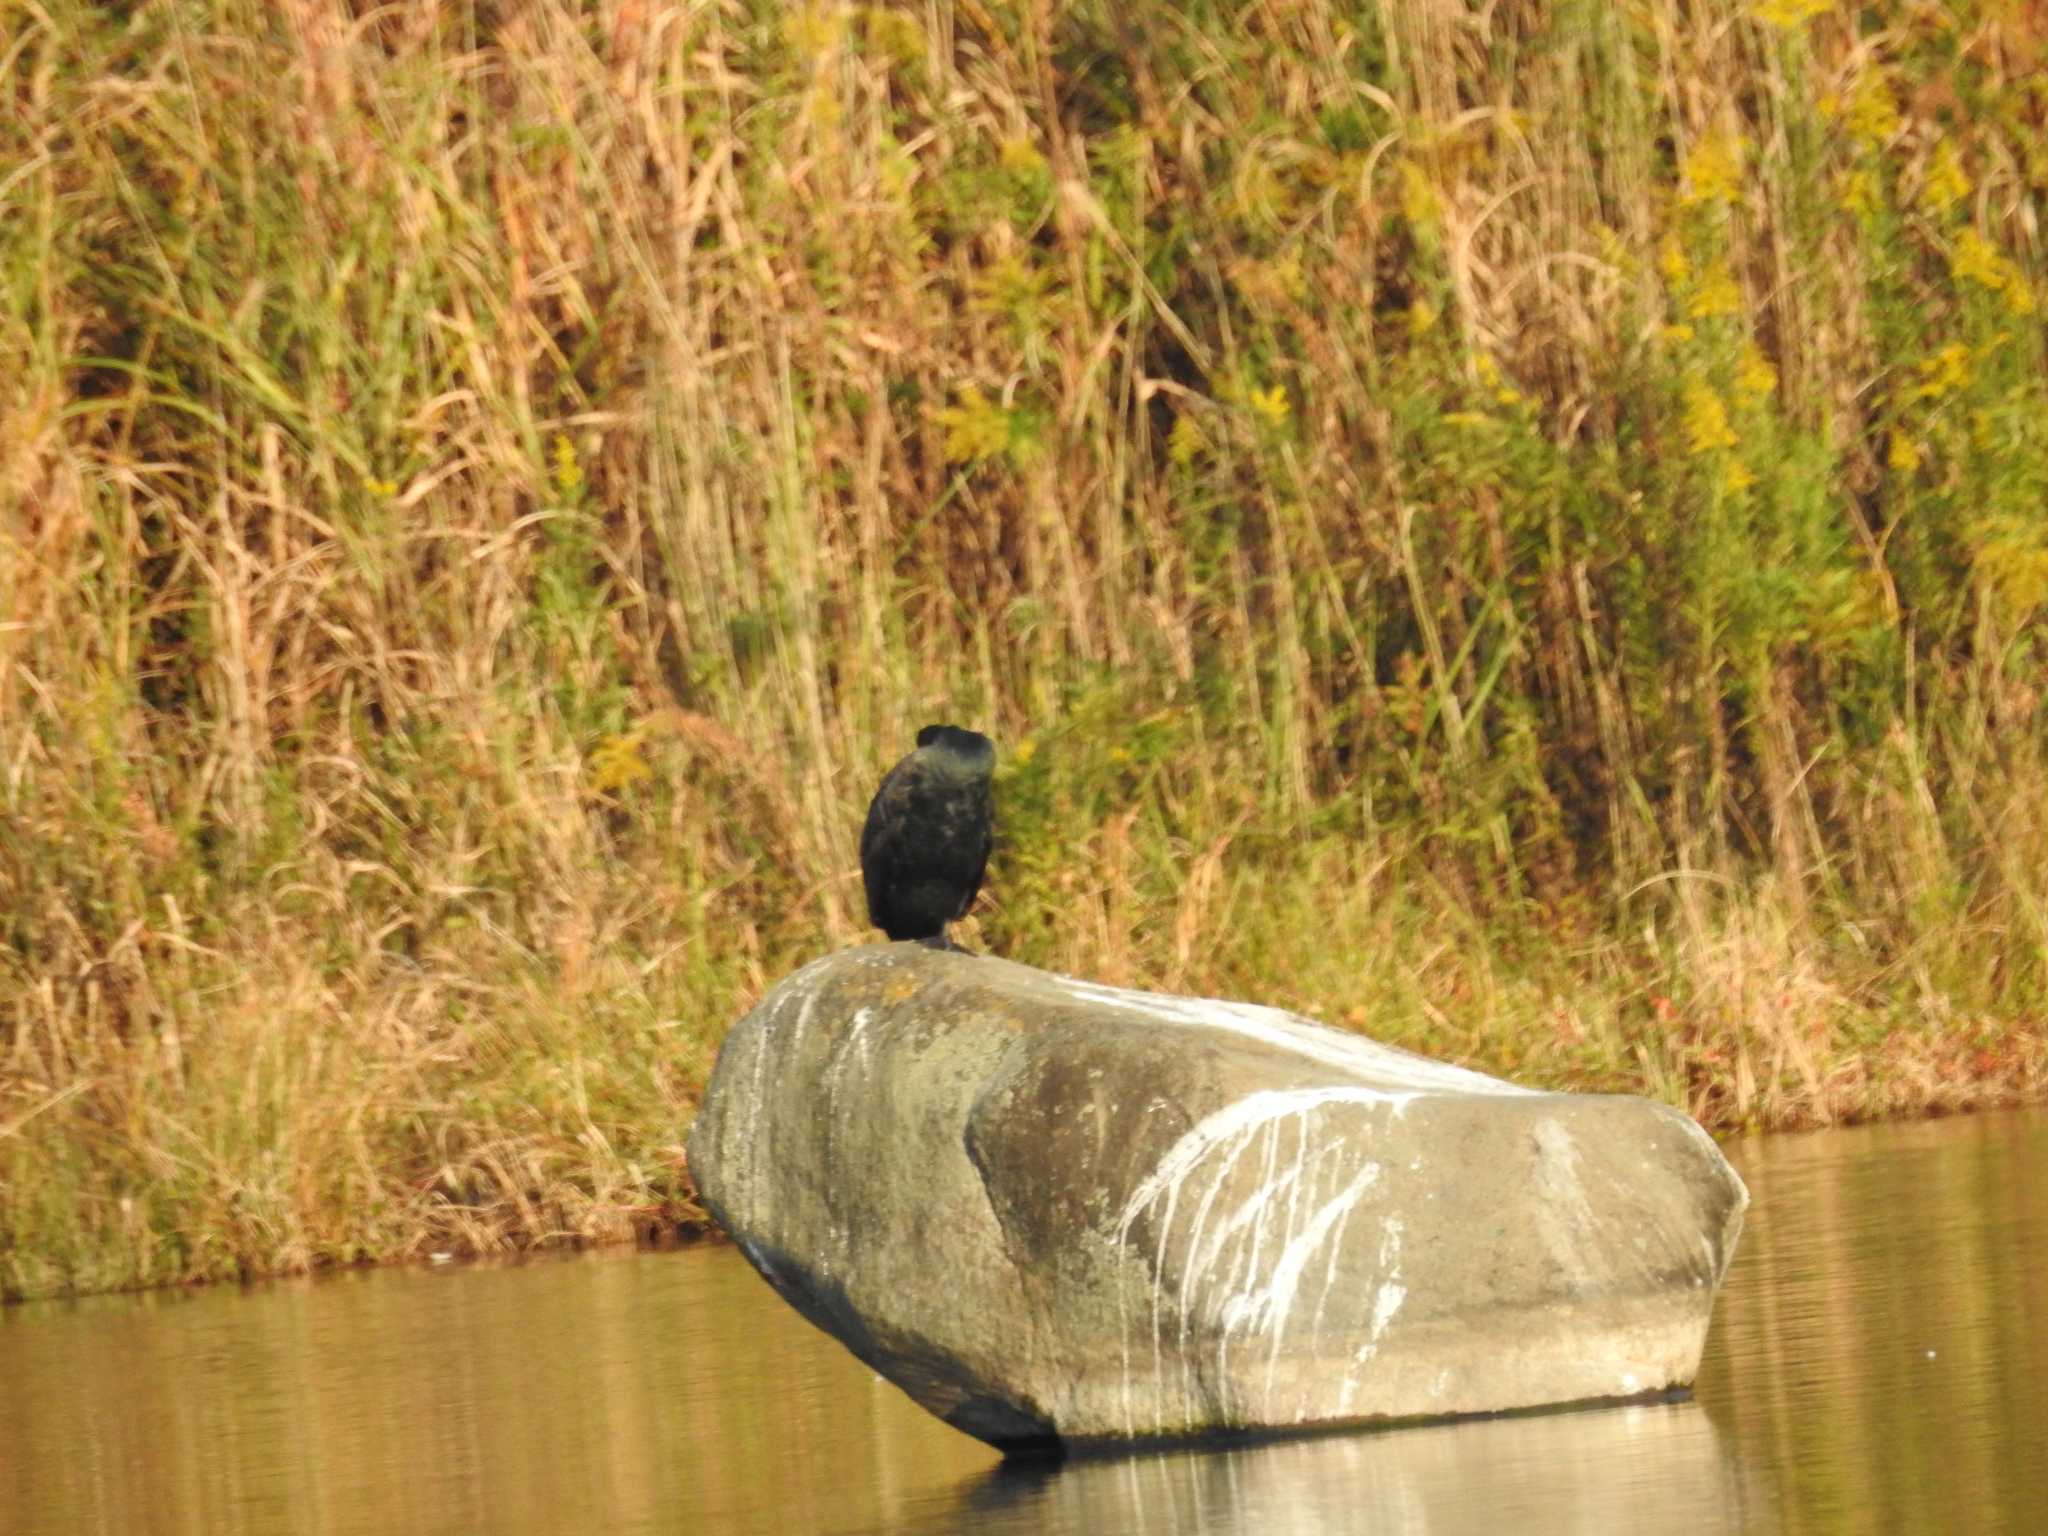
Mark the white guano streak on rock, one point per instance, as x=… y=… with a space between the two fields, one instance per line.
x=1397 y=1074
x=1256 y=1213
x=851 y=1050
x=857 y=1034
x=1270 y=1306
x=851 y=1054
x=1195 y=1263
x=1212 y=1150
x=1335 y=1250
x=766 y=1043
x=1386 y=1302
x=748 y=1156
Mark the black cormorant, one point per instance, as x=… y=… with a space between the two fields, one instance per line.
x=928 y=832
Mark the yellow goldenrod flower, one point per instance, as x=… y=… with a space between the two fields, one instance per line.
x=1944 y=373
x=1905 y=455
x=1979 y=260
x=1859 y=192
x=976 y=427
x=1269 y=404
x=1716 y=294
x=1672 y=263
x=1713 y=171
x=1706 y=420
x=1753 y=374
x=811 y=30
x=1418 y=198
x=1873 y=115
x=901 y=39
x=617 y=762
x=1787 y=15
x=568 y=473
x=1947 y=182
x=1019 y=155
x=2012 y=561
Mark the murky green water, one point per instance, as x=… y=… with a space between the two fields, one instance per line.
x=1879 y=1363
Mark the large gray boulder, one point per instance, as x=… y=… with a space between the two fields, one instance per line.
x=1055 y=1211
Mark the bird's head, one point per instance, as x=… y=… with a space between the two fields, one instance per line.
x=957 y=753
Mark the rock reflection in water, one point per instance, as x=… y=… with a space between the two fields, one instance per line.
x=1655 y=1468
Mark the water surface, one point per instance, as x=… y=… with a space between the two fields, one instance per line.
x=1878 y=1363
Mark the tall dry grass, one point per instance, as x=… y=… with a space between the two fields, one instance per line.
x=1519 y=529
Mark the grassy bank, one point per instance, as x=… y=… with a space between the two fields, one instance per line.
x=1521 y=531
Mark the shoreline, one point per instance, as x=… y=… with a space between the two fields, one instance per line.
x=684 y=1224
